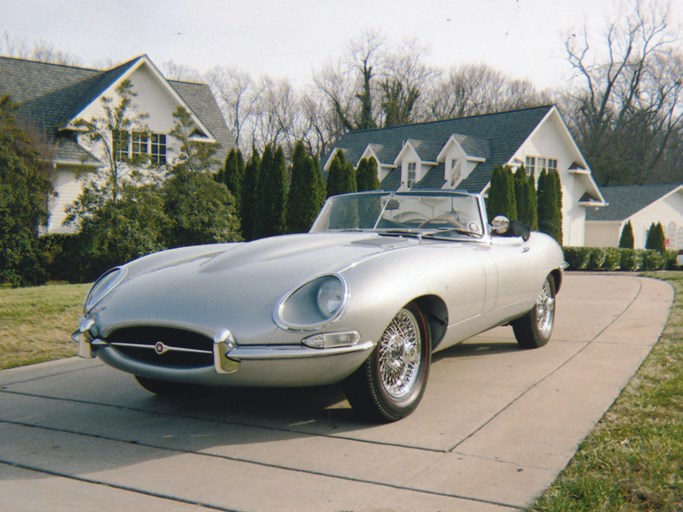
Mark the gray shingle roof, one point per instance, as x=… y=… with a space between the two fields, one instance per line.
x=434 y=178
x=495 y=137
x=68 y=151
x=49 y=95
x=624 y=201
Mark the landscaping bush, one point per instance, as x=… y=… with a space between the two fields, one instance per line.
x=59 y=254
x=612 y=258
x=597 y=258
x=631 y=260
x=577 y=257
x=652 y=260
x=671 y=260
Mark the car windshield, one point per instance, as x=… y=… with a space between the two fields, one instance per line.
x=439 y=215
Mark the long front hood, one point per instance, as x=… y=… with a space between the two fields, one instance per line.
x=234 y=287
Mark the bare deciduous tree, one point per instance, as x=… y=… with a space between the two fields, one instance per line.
x=404 y=79
x=40 y=51
x=628 y=102
x=234 y=91
x=476 y=89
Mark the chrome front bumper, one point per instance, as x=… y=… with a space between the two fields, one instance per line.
x=237 y=365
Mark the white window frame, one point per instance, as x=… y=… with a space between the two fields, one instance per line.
x=128 y=145
x=534 y=164
x=411 y=175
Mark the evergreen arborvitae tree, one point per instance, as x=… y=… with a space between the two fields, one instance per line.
x=306 y=191
x=250 y=183
x=550 y=204
x=557 y=204
x=366 y=175
x=656 y=239
x=232 y=175
x=271 y=200
x=341 y=179
x=24 y=187
x=626 y=240
x=501 y=199
x=661 y=238
x=523 y=197
x=533 y=202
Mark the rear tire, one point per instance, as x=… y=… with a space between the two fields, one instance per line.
x=391 y=382
x=534 y=329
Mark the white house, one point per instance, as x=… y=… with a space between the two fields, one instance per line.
x=641 y=205
x=462 y=153
x=51 y=98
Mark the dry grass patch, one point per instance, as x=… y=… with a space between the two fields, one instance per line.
x=36 y=323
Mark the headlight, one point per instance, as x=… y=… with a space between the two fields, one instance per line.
x=106 y=283
x=330 y=296
x=314 y=305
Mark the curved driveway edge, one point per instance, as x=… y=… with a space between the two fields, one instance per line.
x=496 y=426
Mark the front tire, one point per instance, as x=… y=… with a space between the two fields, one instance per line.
x=391 y=382
x=534 y=329
x=162 y=388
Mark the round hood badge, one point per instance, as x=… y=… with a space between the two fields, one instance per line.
x=160 y=348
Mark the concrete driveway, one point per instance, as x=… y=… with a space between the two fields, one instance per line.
x=496 y=426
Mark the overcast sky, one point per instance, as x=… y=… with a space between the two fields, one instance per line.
x=293 y=38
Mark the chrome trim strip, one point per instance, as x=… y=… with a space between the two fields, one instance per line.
x=262 y=352
x=151 y=347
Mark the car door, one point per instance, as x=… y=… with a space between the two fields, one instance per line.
x=515 y=274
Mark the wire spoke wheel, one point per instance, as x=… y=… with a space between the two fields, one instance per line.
x=399 y=354
x=545 y=309
x=533 y=330
x=391 y=382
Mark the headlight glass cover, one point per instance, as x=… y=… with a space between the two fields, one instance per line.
x=313 y=305
x=105 y=284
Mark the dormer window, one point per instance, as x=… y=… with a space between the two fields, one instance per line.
x=456 y=171
x=412 y=172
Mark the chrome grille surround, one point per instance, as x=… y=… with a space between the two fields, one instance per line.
x=164 y=346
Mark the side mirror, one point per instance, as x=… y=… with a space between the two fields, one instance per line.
x=502 y=226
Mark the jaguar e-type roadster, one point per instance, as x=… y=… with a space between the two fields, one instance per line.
x=381 y=281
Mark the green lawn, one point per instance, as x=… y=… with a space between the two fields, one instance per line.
x=632 y=461
x=36 y=323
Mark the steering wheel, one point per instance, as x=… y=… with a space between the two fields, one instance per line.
x=443 y=220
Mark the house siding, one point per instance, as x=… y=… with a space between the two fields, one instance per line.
x=667 y=210
x=549 y=141
x=67 y=189
x=604 y=234
x=604 y=229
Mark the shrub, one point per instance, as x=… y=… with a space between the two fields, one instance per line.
x=597 y=257
x=612 y=258
x=630 y=260
x=652 y=260
x=671 y=260
x=577 y=257
x=60 y=254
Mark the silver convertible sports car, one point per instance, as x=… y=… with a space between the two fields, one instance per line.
x=380 y=282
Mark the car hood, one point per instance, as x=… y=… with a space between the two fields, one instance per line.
x=232 y=286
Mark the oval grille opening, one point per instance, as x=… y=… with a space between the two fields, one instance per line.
x=163 y=346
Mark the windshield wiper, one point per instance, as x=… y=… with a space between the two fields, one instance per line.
x=400 y=232
x=461 y=231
